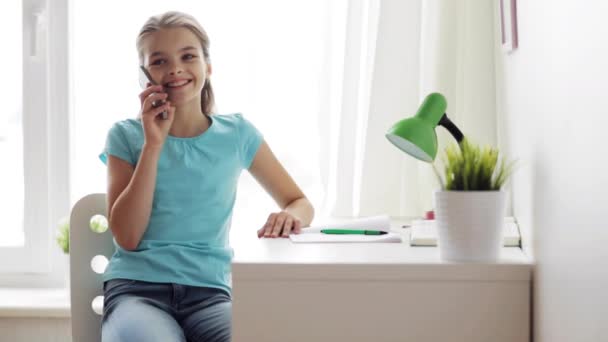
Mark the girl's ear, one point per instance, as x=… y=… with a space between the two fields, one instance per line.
x=209 y=69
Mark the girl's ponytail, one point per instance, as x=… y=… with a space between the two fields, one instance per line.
x=207 y=98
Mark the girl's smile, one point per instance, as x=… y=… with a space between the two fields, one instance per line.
x=177 y=85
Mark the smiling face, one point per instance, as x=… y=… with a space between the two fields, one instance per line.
x=174 y=58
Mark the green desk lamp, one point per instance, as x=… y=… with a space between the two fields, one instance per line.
x=416 y=135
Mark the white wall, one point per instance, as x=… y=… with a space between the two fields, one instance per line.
x=28 y=329
x=551 y=100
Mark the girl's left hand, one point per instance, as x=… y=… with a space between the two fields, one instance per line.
x=280 y=224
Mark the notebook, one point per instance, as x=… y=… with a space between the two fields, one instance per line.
x=424 y=233
x=382 y=223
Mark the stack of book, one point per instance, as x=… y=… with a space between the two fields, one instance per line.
x=424 y=233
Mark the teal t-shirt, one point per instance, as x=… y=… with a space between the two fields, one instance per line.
x=186 y=241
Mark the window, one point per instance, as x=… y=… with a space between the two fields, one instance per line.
x=33 y=178
x=11 y=130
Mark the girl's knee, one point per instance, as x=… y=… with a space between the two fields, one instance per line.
x=135 y=320
x=212 y=324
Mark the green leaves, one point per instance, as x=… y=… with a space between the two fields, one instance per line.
x=468 y=167
x=63 y=236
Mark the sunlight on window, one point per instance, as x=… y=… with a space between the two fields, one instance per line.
x=266 y=59
x=11 y=131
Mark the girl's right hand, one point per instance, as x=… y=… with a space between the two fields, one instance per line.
x=156 y=129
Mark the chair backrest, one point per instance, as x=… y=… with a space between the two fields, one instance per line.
x=88 y=246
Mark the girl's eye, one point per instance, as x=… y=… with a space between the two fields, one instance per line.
x=157 y=62
x=188 y=56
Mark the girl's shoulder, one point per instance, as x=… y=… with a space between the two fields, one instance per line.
x=123 y=138
x=130 y=124
x=129 y=127
x=234 y=121
x=228 y=119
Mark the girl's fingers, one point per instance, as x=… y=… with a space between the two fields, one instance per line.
x=281 y=224
x=287 y=226
x=278 y=225
x=146 y=92
x=152 y=99
x=269 y=224
x=170 y=112
x=261 y=232
x=164 y=108
x=153 y=112
x=297 y=226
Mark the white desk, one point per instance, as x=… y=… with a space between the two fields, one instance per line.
x=376 y=292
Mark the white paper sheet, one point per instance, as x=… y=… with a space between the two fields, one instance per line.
x=382 y=223
x=323 y=238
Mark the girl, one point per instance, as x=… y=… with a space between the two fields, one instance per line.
x=171 y=190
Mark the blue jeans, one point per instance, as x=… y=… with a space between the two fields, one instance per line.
x=141 y=311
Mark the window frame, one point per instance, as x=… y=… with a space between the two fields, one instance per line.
x=46 y=137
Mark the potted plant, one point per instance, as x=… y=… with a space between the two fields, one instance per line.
x=63 y=236
x=63 y=241
x=98 y=224
x=470 y=207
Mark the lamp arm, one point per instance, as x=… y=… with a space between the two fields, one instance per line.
x=449 y=125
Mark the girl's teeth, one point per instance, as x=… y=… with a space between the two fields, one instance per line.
x=177 y=84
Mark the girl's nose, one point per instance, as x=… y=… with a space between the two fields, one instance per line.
x=176 y=69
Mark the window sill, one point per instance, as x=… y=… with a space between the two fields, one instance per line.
x=41 y=303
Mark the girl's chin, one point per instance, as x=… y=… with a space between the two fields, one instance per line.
x=178 y=100
x=183 y=96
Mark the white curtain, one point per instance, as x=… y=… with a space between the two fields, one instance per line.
x=390 y=55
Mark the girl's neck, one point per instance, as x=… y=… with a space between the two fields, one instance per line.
x=189 y=120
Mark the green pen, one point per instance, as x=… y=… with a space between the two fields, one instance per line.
x=352 y=231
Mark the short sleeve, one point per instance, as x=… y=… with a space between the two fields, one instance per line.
x=117 y=145
x=250 y=140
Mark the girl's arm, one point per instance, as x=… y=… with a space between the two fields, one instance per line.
x=131 y=190
x=297 y=211
x=130 y=195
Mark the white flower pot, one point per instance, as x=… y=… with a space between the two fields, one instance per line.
x=470 y=224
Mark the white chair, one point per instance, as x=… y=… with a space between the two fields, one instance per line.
x=89 y=249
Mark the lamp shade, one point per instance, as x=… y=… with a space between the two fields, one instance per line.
x=416 y=135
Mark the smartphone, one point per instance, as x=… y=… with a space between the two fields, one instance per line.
x=144 y=78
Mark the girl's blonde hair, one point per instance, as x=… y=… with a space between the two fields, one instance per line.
x=178 y=19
